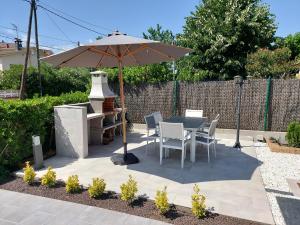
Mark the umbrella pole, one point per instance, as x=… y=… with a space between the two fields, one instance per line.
x=126 y=158
x=122 y=98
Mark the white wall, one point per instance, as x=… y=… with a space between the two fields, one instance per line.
x=17 y=58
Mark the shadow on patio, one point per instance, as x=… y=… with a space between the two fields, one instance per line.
x=230 y=164
x=290 y=209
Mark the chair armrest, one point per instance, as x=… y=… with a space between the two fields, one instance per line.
x=201 y=134
x=187 y=134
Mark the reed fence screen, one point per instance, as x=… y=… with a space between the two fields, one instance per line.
x=219 y=97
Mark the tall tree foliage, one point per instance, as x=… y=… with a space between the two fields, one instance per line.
x=158 y=34
x=292 y=41
x=265 y=63
x=150 y=73
x=222 y=33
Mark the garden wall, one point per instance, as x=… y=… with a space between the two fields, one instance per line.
x=220 y=97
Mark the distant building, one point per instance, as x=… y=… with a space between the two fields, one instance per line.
x=14 y=53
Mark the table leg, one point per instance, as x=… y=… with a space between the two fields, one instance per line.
x=193 y=146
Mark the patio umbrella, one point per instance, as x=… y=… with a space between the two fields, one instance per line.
x=118 y=50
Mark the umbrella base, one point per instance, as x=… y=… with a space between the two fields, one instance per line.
x=119 y=159
x=237 y=145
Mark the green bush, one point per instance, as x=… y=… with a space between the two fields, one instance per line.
x=198 y=203
x=293 y=134
x=97 y=188
x=4 y=174
x=129 y=190
x=19 y=120
x=29 y=174
x=54 y=81
x=265 y=63
x=72 y=184
x=161 y=201
x=49 y=179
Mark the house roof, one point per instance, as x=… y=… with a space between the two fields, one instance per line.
x=10 y=49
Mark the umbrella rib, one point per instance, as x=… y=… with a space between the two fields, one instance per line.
x=132 y=55
x=99 y=63
x=136 y=50
x=102 y=52
x=65 y=61
x=160 y=53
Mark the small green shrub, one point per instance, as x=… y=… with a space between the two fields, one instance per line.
x=29 y=174
x=72 y=184
x=198 y=203
x=49 y=179
x=22 y=119
x=97 y=188
x=293 y=134
x=129 y=190
x=161 y=201
x=4 y=174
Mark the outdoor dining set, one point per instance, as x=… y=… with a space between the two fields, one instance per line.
x=176 y=132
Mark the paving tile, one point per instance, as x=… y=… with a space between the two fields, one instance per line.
x=4 y=222
x=13 y=213
x=233 y=176
x=38 y=218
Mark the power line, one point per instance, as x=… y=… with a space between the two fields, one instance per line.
x=45 y=46
x=71 y=21
x=40 y=35
x=55 y=24
x=76 y=18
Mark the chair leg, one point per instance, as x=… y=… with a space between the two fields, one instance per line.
x=208 y=157
x=215 y=150
x=182 y=158
x=154 y=143
x=167 y=153
x=160 y=154
x=147 y=146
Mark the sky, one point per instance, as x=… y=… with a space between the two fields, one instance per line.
x=128 y=16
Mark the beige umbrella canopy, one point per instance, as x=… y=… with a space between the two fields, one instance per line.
x=118 y=50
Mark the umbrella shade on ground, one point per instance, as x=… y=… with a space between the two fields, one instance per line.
x=118 y=50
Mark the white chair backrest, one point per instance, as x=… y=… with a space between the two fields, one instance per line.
x=212 y=128
x=193 y=113
x=157 y=117
x=150 y=121
x=171 y=130
x=217 y=117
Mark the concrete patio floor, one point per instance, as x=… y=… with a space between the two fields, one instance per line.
x=232 y=182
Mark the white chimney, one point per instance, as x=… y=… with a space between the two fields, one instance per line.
x=99 y=91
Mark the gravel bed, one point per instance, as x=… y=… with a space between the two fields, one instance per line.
x=275 y=169
x=141 y=207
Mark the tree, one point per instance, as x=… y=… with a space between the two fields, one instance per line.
x=55 y=81
x=222 y=33
x=293 y=43
x=151 y=73
x=158 y=34
x=265 y=63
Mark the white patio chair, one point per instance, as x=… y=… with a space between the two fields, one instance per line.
x=208 y=139
x=172 y=137
x=207 y=125
x=193 y=113
x=157 y=118
x=151 y=127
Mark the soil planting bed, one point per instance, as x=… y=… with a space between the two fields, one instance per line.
x=277 y=147
x=141 y=207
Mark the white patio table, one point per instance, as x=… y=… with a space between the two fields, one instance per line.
x=191 y=124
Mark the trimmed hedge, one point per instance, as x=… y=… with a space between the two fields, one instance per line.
x=19 y=120
x=293 y=134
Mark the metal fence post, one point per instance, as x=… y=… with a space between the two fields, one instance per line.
x=240 y=82
x=268 y=94
x=175 y=96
